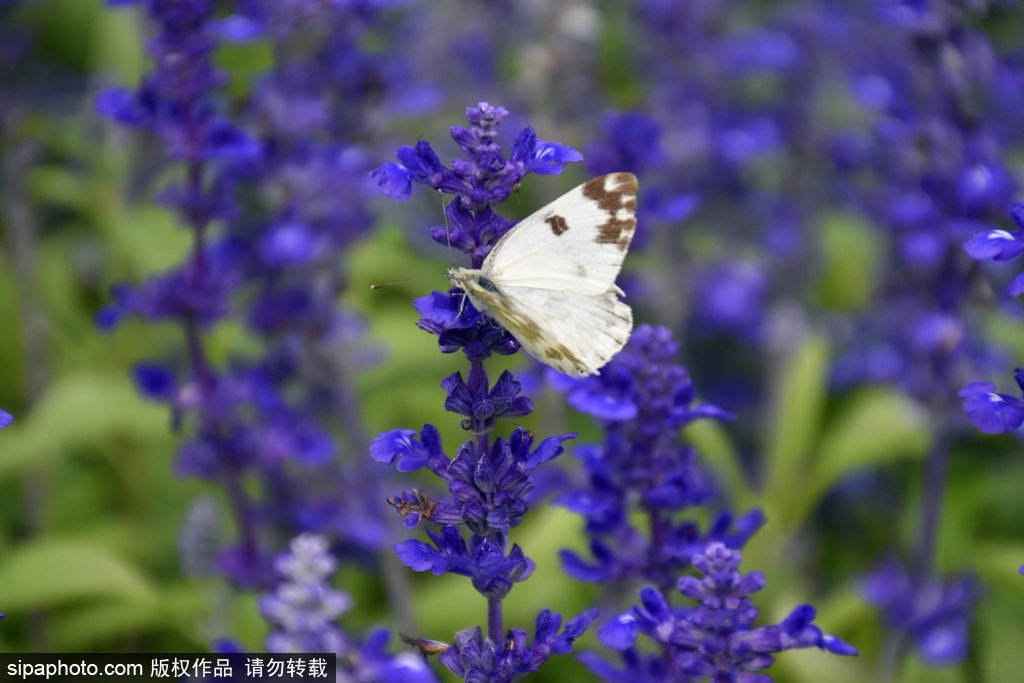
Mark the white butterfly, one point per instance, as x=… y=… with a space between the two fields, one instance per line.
x=550 y=280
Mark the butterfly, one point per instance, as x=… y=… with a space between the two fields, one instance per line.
x=550 y=280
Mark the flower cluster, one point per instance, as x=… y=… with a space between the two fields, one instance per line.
x=304 y=607
x=716 y=639
x=477 y=658
x=642 y=399
x=1002 y=245
x=489 y=479
x=994 y=413
x=483 y=177
x=303 y=610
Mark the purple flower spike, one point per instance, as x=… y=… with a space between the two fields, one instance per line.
x=490 y=477
x=717 y=638
x=642 y=398
x=303 y=611
x=484 y=176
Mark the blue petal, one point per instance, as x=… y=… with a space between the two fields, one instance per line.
x=944 y=644
x=990 y=412
x=418 y=556
x=287 y=244
x=154 y=381
x=996 y=245
x=838 y=646
x=387 y=446
x=1016 y=286
x=548 y=449
x=119 y=104
x=394 y=180
x=620 y=632
x=236 y=28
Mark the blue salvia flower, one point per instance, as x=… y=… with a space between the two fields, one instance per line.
x=489 y=479
x=304 y=607
x=642 y=399
x=716 y=640
x=477 y=658
x=5 y=419
x=1001 y=245
x=994 y=413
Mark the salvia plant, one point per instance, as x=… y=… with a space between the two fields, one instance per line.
x=490 y=476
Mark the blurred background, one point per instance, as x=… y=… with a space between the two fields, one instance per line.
x=186 y=203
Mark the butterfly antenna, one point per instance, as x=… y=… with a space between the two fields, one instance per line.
x=382 y=285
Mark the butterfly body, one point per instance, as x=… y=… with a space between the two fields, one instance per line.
x=550 y=280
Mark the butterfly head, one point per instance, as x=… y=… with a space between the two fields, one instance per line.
x=481 y=290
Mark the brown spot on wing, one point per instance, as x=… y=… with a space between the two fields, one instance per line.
x=557 y=223
x=622 y=195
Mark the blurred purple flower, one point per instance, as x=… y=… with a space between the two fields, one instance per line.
x=304 y=607
x=936 y=613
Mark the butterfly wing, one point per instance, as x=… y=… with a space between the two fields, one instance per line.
x=551 y=279
x=576 y=243
x=572 y=332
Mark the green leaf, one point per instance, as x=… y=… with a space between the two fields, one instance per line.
x=54 y=571
x=711 y=440
x=59 y=186
x=76 y=410
x=118 y=46
x=851 y=255
x=876 y=427
x=798 y=403
x=95 y=624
